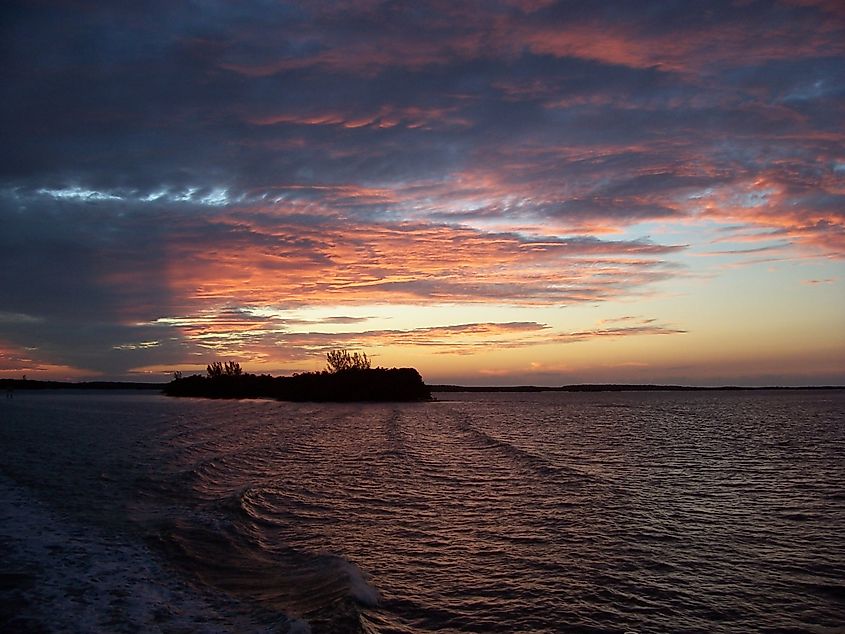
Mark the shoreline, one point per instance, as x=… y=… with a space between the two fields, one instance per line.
x=32 y=384
x=621 y=387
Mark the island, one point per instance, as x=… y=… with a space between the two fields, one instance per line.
x=348 y=377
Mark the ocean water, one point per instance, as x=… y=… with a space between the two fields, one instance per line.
x=613 y=512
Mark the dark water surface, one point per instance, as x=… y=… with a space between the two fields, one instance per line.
x=641 y=512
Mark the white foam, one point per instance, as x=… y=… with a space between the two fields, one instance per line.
x=86 y=580
x=359 y=588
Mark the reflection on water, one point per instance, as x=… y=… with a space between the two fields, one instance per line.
x=500 y=512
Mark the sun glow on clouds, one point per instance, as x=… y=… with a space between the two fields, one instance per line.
x=517 y=191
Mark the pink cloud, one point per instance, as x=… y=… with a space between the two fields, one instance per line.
x=384 y=117
x=444 y=35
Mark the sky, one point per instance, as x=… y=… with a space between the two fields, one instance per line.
x=495 y=192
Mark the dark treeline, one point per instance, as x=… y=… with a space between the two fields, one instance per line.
x=621 y=387
x=30 y=384
x=369 y=384
x=608 y=387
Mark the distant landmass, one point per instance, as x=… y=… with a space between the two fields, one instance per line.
x=348 y=377
x=29 y=384
x=350 y=384
x=376 y=384
x=620 y=387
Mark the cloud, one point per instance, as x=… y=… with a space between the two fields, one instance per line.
x=621 y=331
x=369 y=38
x=16 y=362
x=195 y=278
x=827 y=280
x=387 y=116
x=17 y=318
x=260 y=341
x=192 y=166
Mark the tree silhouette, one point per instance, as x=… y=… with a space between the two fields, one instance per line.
x=350 y=378
x=232 y=368
x=340 y=360
x=217 y=369
x=214 y=369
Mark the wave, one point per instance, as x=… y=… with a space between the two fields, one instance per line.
x=359 y=588
x=65 y=576
x=569 y=516
x=326 y=591
x=537 y=463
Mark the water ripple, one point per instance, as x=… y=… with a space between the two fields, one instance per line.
x=491 y=513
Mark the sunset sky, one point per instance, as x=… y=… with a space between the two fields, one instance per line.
x=494 y=192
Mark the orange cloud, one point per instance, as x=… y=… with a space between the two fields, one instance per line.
x=621 y=331
x=259 y=260
x=385 y=117
x=264 y=336
x=769 y=207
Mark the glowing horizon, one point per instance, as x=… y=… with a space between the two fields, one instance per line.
x=494 y=193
